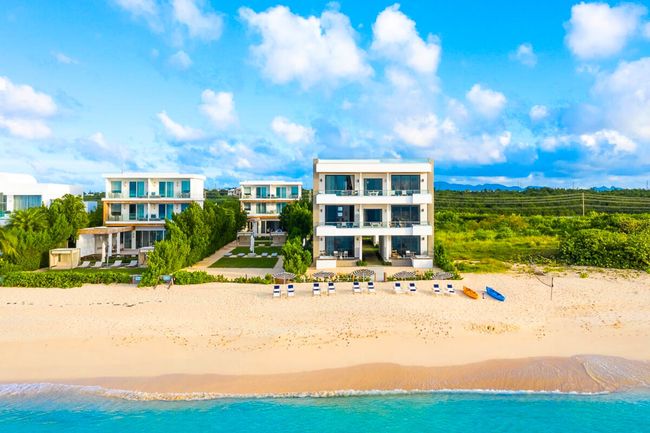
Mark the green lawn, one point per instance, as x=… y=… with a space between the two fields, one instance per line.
x=258 y=250
x=130 y=271
x=245 y=262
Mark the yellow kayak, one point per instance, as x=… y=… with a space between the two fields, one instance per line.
x=470 y=293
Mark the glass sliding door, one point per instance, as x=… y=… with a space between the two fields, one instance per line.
x=405 y=184
x=22 y=202
x=406 y=245
x=294 y=191
x=185 y=189
x=281 y=192
x=340 y=246
x=340 y=216
x=372 y=217
x=262 y=192
x=166 y=189
x=165 y=211
x=136 y=189
x=373 y=186
x=405 y=216
x=339 y=184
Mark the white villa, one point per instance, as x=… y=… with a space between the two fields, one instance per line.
x=22 y=191
x=382 y=206
x=135 y=208
x=264 y=200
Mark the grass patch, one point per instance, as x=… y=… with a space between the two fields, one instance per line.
x=515 y=249
x=258 y=250
x=245 y=262
x=482 y=266
x=127 y=271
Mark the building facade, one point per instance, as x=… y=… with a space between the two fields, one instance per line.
x=382 y=207
x=264 y=201
x=22 y=191
x=142 y=201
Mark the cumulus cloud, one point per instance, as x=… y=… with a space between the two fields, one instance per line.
x=608 y=138
x=525 y=54
x=139 y=7
x=625 y=97
x=395 y=38
x=646 y=30
x=307 y=50
x=219 y=107
x=422 y=131
x=180 y=60
x=200 y=24
x=176 y=130
x=486 y=102
x=23 y=110
x=63 y=58
x=538 y=112
x=597 y=30
x=292 y=132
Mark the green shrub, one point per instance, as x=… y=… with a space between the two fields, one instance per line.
x=604 y=248
x=296 y=258
x=197 y=277
x=362 y=263
x=442 y=259
x=64 y=279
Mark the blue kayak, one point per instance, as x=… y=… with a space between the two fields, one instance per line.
x=496 y=295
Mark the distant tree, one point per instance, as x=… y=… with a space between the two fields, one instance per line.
x=96 y=217
x=73 y=210
x=29 y=220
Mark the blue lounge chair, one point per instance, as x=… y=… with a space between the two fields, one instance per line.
x=276 y=291
x=290 y=291
x=397 y=287
x=316 y=289
x=436 y=289
x=450 y=289
x=356 y=287
x=331 y=289
x=412 y=288
x=371 y=287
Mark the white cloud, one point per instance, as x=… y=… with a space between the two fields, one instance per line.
x=307 y=50
x=646 y=30
x=538 y=112
x=200 y=24
x=400 y=78
x=625 y=98
x=64 y=59
x=617 y=141
x=488 y=103
x=597 y=30
x=176 y=130
x=180 y=60
x=139 y=7
x=422 y=131
x=395 y=38
x=23 y=110
x=525 y=54
x=219 y=107
x=292 y=132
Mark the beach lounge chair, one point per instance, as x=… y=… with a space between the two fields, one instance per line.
x=290 y=291
x=241 y=254
x=371 y=288
x=274 y=254
x=397 y=287
x=167 y=279
x=265 y=254
x=97 y=265
x=227 y=255
x=276 y=291
x=412 y=288
x=316 y=289
x=436 y=289
x=132 y=264
x=450 y=289
x=117 y=264
x=356 y=287
x=331 y=289
x=85 y=264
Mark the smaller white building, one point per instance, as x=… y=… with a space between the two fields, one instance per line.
x=264 y=201
x=22 y=191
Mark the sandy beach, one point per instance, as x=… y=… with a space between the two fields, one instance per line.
x=236 y=339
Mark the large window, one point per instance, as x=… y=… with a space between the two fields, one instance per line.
x=279 y=207
x=116 y=209
x=165 y=211
x=247 y=207
x=246 y=191
x=136 y=189
x=294 y=191
x=405 y=184
x=281 y=192
x=339 y=184
x=116 y=187
x=405 y=216
x=184 y=206
x=186 y=189
x=373 y=186
x=262 y=192
x=3 y=204
x=166 y=189
x=260 y=208
x=342 y=216
x=341 y=246
x=136 y=212
x=148 y=238
x=22 y=202
x=406 y=245
x=372 y=217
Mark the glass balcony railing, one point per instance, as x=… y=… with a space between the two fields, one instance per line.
x=374 y=224
x=135 y=218
x=375 y=193
x=147 y=195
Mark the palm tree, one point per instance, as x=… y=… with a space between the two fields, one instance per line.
x=28 y=220
x=7 y=243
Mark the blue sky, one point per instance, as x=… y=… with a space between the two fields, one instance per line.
x=531 y=93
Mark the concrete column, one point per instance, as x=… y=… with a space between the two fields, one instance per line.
x=110 y=245
x=118 y=237
x=360 y=243
x=133 y=243
x=360 y=220
x=388 y=247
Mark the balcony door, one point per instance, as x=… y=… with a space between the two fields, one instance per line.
x=341 y=216
x=136 y=189
x=339 y=184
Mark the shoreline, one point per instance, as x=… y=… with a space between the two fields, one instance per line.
x=581 y=374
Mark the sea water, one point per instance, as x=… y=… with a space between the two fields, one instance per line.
x=71 y=411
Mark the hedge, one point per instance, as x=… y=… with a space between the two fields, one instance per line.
x=63 y=279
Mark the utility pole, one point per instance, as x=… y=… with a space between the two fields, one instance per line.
x=583 y=204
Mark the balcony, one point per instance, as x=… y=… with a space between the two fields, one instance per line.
x=131 y=218
x=152 y=195
x=374 y=197
x=372 y=228
x=270 y=197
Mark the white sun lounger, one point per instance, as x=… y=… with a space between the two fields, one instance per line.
x=117 y=264
x=264 y=254
x=436 y=289
x=276 y=291
x=274 y=254
x=85 y=264
x=97 y=265
x=227 y=255
x=316 y=289
x=290 y=291
x=412 y=288
x=356 y=287
x=132 y=264
x=371 y=288
x=397 y=287
x=450 y=289
x=331 y=289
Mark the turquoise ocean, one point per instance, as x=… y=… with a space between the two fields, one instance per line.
x=68 y=410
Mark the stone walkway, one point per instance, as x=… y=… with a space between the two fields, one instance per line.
x=204 y=265
x=206 y=262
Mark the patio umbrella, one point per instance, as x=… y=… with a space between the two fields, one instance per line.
x=323 y=275
x=363 y=273
x=404 y=275
x=284 y=276
x=442 y=276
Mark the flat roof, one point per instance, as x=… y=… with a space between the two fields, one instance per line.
x=103 y=230
x=142 y=175
x=269 y=182
x=373 y=166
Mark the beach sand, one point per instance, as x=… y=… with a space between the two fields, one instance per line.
x=236 y=339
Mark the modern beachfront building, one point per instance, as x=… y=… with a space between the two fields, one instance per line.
x=264 y=200
x=137 y=204
x=374 y=210
x=22 y=191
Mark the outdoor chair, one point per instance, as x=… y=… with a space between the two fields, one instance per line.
x=436 y=289
x=397 y=287
x=117 y=264
x=331 y=289
x=371 y=287
x=316 y=289
x=85 y=264
x=276 y=291
x=290 y=291
x=412 y=288
x=97 y=265
x=274 y=254
x=450 y=289
x=356 y=287
x=132 y=264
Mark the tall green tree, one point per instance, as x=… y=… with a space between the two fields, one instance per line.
x=296 y=258
x=297 y=219
x=72 y=209
x=7 y=243
x=96 y=217
x=29 y=220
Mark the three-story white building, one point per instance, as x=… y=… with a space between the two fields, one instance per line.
x=386 y=206
x=264 y=201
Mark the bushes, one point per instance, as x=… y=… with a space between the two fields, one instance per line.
x=198 y=277
x=442 y=259
x=63 y=279
x=603 y=248
x=296 y=258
